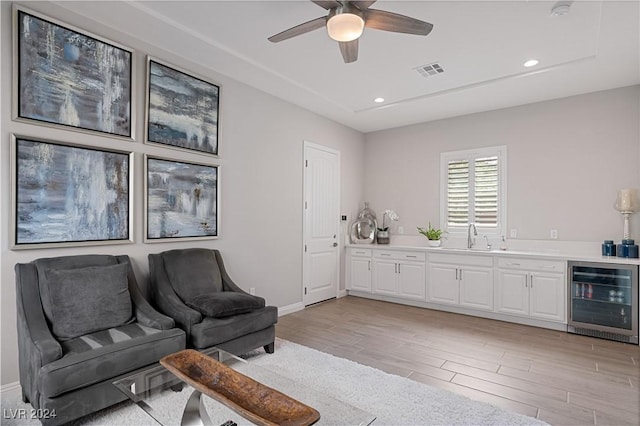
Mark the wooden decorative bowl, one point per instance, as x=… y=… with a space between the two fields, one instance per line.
x=249 y=398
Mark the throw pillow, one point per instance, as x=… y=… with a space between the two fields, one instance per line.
x=192 y=272
x=225 y=303
x=86 y=300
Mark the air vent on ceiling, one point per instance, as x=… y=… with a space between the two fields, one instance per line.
x=430 y=69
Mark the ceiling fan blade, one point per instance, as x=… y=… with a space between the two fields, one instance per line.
x=299 y=29
x=389 y=21
x=349 y=50
x=362 y=5
x=326 y=4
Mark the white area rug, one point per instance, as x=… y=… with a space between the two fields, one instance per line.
x=394 y=400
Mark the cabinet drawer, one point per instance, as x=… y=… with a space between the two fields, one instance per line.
x=400 y=255
x=358 y=252
x=532 y=264
x=461 y=259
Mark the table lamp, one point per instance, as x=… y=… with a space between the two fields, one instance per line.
x=626 y=204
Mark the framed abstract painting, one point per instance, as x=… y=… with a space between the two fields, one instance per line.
x=67 y=77
x=182 y=200
x=182 y=110
x=70 y=195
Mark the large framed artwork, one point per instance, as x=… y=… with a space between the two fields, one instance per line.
x=182 y=110
x=65 y=194
x=67 y=77
x=182 y=200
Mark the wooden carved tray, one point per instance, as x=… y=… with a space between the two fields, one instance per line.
x=249 y=398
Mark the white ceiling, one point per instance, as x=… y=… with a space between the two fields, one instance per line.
x=481 y=45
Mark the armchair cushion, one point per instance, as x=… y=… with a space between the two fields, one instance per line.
x=225 y=303
x=84 y=300
x=192 y=272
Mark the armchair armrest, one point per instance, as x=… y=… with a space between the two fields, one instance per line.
x=31 y=315
x=143 y=311
x=166 y=299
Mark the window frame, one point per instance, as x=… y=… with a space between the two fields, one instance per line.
x=471 y=155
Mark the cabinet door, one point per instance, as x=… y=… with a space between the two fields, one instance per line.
x=443 y=284
x=360 y=278
x=476 y=287
x=512 y=292
x=385 y=277
x=411 y=280
x=547 y=293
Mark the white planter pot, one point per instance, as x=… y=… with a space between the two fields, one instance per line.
x=434 y=243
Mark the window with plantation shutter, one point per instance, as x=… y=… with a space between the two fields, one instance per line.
x=473 y=190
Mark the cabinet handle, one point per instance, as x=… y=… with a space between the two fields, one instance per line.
x=385 y=254
x=412 y=257
x=395 y=268
x=456 y=274
x=513 y=264
x=460 y=274
x=369 y=266
x=548 y=266
x=398 y=268
x=530 y=280
x=526 y=280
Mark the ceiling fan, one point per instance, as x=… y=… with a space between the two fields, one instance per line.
x=346 y=21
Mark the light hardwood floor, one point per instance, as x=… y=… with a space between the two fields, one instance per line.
x=561 y=378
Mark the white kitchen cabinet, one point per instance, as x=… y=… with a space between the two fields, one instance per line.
x=399 y=273
x=461 y=280
x=359 y=269
x=533 y=288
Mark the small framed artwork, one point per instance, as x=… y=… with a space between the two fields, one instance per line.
x=182 y=200
x=182 y=110
x=69 y=195
x=67 y=77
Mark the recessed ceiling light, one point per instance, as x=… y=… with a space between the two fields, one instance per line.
x=378 y=100
x=531 y=63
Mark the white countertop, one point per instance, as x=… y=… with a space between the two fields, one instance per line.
x=566 y=254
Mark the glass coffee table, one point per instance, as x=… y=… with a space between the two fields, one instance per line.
x=170 y=401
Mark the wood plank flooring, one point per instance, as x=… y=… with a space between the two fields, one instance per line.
x=561 y=378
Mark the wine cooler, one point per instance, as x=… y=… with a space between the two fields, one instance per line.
x=603 y=300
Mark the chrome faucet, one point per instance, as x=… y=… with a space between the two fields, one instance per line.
x=470 y=240
x=488 y=243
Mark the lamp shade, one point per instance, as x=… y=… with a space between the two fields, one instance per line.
x=345 y=26
x=627 y=201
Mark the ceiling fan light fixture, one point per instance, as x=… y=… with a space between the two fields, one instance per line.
x=344 y=25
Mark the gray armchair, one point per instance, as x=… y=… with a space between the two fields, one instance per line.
x=193 y=287
x=83 y=323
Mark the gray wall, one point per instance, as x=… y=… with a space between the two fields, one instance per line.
x=567 y=159
x=261 y=180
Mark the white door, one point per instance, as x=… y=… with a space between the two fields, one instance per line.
x=385 y=277
x=443 y=284
x=321 y=223
x=476 y=287
x=512 y=293
x=411 y=280
x=360 y=274
x=547 y=296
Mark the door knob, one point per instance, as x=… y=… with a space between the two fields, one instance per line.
x=335 y=244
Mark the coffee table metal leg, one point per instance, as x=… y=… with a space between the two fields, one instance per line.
x=194 y=412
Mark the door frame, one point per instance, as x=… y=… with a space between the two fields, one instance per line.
x=305 y=267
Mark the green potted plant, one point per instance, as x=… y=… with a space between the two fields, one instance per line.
x=433 y=235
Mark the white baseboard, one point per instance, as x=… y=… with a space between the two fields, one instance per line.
x=342 y=293
x=10 y=387
x=289 y=309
